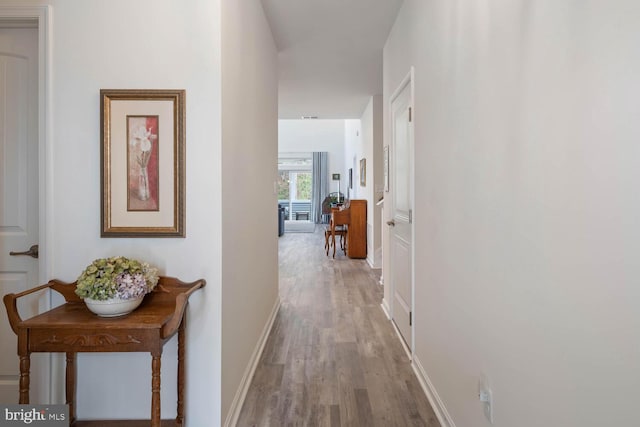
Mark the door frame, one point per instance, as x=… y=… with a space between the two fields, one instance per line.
x=408 y=80
x=40 y=15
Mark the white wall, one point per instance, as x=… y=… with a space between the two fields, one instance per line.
x=363 y=140
x=371 y=124
x=143 y=44
x=526 y=214
x=353 y=152
x=316 y=135
x=249 y=216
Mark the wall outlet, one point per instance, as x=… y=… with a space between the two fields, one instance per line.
x=486 y=397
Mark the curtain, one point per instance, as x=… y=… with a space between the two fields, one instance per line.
x=320 y=182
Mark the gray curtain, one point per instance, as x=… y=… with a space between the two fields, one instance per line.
x=320 y=179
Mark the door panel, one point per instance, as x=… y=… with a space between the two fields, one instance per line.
x=401 y=231
x=402 y=295
x=19 y=213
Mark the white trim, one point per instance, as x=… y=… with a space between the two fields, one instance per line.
x=402 y=341
x=412 y=191
x=432 y=395
x=377 y=257
x=375 y=261
x=408 y=80
x=41 y=14
x=243 y=388
x=385 y=307
x=370 y=261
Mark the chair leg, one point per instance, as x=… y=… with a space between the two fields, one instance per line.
x=326 y=242
x=343 y=242
x=333 y=242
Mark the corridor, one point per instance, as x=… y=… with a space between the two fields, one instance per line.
x=332 y=358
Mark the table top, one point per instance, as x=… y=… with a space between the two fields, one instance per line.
x=151 y=314
x=161 y=309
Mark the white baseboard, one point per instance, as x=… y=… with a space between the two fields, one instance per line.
x=385 y=308
x=407 y=350
x=387 y=312
x=243 y=388
x=427 y=386
x=374 y=260
x=377 y=257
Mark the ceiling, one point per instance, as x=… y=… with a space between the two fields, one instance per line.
x=329 y=54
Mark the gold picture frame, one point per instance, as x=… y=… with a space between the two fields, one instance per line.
x=142 y=163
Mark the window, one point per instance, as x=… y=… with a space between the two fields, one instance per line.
x=283 y=185
x=295 y=184
x=303 y=185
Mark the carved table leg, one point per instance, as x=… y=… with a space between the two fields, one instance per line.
x=70 y=386
x=181 y=373
x=155 y=390
x=25 y=365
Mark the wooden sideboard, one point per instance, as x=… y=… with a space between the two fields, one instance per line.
x=72 y=328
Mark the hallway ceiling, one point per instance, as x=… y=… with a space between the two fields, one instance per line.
x=329 y=54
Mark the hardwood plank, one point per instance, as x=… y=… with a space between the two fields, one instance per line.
x=332 y=358
x=365 y=416
x=335 y=415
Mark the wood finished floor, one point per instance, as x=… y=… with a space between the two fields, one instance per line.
x=332 y=358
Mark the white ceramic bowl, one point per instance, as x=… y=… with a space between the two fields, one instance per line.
x=113 y=307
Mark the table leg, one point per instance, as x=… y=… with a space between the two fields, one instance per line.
x=155 y=390
x=70 y=386
x=181 y=372
x=25 y=365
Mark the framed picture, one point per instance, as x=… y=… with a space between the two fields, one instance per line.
x=350 y=178
x=142 y=163
x=335 y=177
x=385 y=167
x=363 y=172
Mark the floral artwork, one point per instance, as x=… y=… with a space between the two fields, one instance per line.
x=142 y=166
x=142 y=162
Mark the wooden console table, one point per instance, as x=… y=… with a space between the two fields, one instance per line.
x=72 y=328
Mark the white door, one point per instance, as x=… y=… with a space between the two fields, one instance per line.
x=19 y=214
x=401 y=224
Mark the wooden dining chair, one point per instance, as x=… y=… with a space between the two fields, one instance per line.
x=329 y=240
x=336 y=227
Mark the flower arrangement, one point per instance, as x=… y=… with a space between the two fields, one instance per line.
x=116 y=277
x=143 y=136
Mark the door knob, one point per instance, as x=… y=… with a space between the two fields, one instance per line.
x=32 y=252
x=391 y=223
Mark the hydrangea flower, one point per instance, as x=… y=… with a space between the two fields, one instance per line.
x=120 y=277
